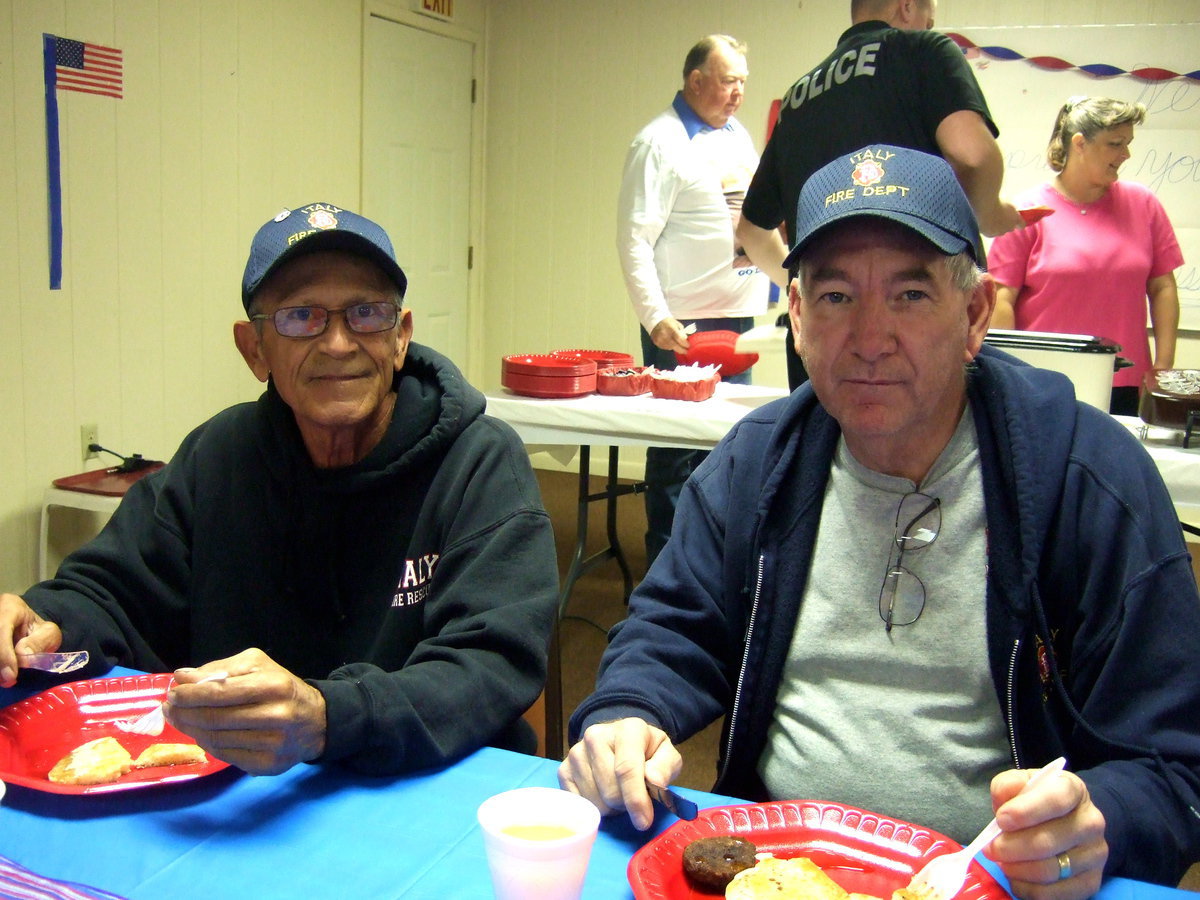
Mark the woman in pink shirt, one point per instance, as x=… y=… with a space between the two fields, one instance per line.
x=1106 y=254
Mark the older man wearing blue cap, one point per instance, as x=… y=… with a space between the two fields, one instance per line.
x=361 y=555
x=918 y=577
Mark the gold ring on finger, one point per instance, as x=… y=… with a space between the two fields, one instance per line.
x=1064 y=866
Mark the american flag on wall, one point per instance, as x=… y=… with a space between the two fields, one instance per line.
x=87 y=68
x=69 y=65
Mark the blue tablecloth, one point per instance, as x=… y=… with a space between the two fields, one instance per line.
x=312 y=832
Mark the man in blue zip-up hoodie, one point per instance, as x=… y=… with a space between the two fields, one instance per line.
x=927 y=570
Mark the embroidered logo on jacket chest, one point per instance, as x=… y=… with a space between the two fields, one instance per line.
x=413 y=588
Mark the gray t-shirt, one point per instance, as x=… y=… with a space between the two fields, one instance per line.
x=906 y=723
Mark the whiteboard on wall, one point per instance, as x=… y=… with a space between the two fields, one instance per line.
x=1024 y=98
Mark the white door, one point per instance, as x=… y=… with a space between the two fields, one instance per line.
x=417 y=170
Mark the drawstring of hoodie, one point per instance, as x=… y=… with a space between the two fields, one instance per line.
x=1133 y=750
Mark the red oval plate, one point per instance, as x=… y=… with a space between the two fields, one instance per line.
x=1033 y=214
x=547 y=387
x=600 y=357
x=38 y=731
x=545 y=364
x=717 y=348
x=861 y=851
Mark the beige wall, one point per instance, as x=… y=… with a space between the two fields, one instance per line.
x=235 y=108
x=232 y=109
x=568 y=87
x=570 y=84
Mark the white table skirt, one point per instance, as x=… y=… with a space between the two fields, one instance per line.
x=645 y=421
x=1180 y=468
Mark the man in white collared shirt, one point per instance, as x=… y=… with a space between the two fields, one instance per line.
x=685 y=176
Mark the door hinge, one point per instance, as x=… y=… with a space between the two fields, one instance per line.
x=472 y=90
x=470 y=257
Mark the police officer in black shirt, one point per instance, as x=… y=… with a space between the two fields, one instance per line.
x=891 y=79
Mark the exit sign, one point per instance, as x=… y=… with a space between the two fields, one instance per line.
x=439 y=9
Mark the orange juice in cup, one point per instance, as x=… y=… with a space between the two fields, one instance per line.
x=538 y=842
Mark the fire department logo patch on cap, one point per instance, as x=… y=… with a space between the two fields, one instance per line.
x=322 y=218
x=867 y=172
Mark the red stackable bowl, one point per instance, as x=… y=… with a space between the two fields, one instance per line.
x=669 y=389
x=717 y=348
x=622 y=385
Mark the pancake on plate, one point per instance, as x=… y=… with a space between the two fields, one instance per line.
x=96 y=762
x=170 y=755
x=774 y=878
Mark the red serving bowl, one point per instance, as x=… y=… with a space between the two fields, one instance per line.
x=543 y=375
x=602 y=358
x=667 y=388
x=629 y=385
x=717 y=348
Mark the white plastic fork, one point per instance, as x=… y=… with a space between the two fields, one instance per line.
x=943 y=876
x=152 y=723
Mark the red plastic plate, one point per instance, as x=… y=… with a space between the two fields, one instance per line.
x=1033 y=214
x=38 y=731
x=717 y=348
x=549 y=387
x=861 y=851
x=545 y=364
x=600 y=357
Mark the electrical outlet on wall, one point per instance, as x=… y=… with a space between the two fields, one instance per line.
x=88 y=435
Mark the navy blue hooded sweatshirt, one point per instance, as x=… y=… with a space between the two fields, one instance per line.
x=415 y=589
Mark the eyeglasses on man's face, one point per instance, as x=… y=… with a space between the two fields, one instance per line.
x=902 y=597
x=311 y=321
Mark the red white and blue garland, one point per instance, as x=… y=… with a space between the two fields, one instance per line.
x=1100 y=70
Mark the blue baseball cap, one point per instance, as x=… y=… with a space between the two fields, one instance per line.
x=918 y=190
x=317 y=226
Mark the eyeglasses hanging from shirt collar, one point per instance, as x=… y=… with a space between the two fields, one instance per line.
x=902 y=597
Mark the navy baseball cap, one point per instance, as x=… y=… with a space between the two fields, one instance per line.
x=317 y=226
x=918 y=190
